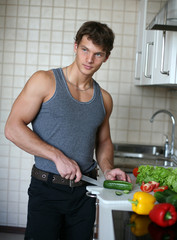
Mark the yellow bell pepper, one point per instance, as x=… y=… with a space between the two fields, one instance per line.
x=139 y=224
x=142 y=203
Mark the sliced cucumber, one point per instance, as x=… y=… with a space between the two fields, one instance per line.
x=126 y=191
x=118 y=193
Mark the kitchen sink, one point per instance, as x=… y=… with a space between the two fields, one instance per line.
x=128 y=156
x=137 y=150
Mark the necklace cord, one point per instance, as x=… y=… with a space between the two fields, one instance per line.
x=67 y=79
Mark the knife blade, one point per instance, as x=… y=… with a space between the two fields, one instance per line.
x=92 y=181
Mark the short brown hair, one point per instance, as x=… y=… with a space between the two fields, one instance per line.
x=99 y=33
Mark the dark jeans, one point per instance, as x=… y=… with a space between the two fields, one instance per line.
x=59 y=212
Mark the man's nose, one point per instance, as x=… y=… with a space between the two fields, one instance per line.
x=90 y=58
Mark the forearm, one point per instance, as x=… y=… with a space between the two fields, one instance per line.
x=26 y=139
x=23 y=137
x=105 y=156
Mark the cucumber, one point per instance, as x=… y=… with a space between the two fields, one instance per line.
x=166 y=196
x=162 y=196
x=118 y=193
x=173 y=200
x=126 y=191
x=119 y=185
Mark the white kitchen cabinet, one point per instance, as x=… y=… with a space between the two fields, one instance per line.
x=144 y=49
x=156 y=54
x=140 y=41
x=165 y=62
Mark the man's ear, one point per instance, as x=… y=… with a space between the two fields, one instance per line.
x=75 y=47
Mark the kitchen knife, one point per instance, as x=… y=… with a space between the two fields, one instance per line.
x=92 y=181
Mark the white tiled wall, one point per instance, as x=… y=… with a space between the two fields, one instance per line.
x=39 y=34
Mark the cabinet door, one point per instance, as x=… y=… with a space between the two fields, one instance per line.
x=144 y=49
x=140 y=40
x=165 y=64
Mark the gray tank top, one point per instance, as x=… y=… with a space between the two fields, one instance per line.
x=69 y=125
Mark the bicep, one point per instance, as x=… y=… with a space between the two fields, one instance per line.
x=25 y=108
x=104 y=130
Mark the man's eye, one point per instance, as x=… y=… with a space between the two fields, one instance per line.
x=99 y=55
x=84 y=49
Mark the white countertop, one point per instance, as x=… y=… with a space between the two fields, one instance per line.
x=109 y=201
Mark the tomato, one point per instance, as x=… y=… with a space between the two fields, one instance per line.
x=156 y=184
x=147 y=187
x=160 y=189
x=135 y=172
x=151 y=185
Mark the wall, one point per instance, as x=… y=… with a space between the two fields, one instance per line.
x=39 y=34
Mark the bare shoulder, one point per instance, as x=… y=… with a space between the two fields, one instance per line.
x=37 y=90
x=108 y=102
x=41 y=83
x=43 y=78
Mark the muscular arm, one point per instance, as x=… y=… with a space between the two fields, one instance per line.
x=38 y=89
x=104 y=146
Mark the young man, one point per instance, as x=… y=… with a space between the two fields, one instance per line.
x=70 y=114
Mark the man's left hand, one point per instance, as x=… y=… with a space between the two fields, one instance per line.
x=117 y=174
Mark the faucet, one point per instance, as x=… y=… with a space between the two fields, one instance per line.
x=173 y=127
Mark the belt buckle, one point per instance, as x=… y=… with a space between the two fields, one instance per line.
x=71 y=183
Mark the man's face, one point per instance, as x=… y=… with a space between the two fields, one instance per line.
x=89 y=57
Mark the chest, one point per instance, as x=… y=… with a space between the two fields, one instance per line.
x=80 y=109
x=79 y=95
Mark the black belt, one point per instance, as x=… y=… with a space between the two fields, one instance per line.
x=57 y=179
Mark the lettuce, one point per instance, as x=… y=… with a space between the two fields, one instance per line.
x=165 y=176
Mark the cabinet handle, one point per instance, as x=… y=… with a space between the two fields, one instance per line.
x=163 y=55
x=146 y=60
x=136 y=64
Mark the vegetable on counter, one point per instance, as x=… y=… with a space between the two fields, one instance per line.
x=163 y=214
x=172 y=200
x=148 y=187
x=119 y=185
x=166 y=196
x=156 y=184
x=165 y=176
x=118 y=193
x=139 y=224
x=126 y=191
x=142 y=203
x=135 y=172
x=152 y=186
x=160 y=189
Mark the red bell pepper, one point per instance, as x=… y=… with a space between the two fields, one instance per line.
x=163 y=214
x=160 y=189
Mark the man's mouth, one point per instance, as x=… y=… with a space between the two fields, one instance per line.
x=87 y=67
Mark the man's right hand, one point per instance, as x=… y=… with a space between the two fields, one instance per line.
x=68 y=168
